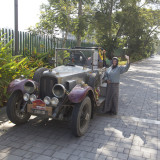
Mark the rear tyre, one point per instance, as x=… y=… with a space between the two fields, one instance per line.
x=14 y=106
x=38 y=73
x=81 y=116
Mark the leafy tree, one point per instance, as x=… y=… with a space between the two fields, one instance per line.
x=56 y=14
x=114 y=24
x=82 y=20
x=126 y=23
x=71 y=16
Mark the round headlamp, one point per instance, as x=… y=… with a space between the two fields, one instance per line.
x=54 y=101
x=59 y=90
x=47 y=100
x=26 y=97
x=33 y=97
x=29 y=87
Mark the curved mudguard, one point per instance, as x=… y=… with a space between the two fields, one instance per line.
x=78 y=93
x=18 y=84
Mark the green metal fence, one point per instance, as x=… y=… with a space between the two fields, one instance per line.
x=30 y=43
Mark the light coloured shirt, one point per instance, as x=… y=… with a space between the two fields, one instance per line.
x=113 y=75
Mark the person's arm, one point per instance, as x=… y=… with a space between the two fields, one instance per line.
x=125 y=68
x=106 y=78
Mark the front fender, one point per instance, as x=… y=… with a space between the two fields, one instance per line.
x=78 y=93
x=17 y=84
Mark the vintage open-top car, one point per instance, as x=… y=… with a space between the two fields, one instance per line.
x=72 y=91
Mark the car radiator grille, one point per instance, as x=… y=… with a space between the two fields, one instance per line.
x=46 y=85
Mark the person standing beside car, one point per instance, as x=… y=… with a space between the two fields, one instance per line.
x=112 y=77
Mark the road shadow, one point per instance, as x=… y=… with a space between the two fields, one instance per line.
x=3 y=116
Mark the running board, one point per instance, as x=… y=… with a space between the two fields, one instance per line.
x=100 y=101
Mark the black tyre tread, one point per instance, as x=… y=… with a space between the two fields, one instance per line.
x=38 y=73
x=75 y=113
x=10 y=110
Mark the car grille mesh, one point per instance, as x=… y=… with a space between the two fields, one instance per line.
x=46 y=85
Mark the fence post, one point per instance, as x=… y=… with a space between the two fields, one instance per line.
x=28 y=41
x=54 y=42
x=23 y=45
x=39 y=44
x=20 y=42
x=48 y=45
x=30 y=45
x=12 y=35
x=9 y=35
x=42 y=43
x=16 y=27
x=51 y=40
x=57 y=43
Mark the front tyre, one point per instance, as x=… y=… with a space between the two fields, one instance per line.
x=81 y=116
x=14 y=106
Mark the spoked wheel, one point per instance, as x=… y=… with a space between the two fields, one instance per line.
x=81 y=116
x=14 y=109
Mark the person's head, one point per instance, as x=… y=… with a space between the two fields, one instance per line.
x=114 y=62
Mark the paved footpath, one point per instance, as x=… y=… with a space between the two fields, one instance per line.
x=134 y=134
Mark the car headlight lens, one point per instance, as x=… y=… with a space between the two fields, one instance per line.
x=54 y=101
x=59 y=90
x=33 y=97
x=29 y=87
x=26 y=97
x=47 y=100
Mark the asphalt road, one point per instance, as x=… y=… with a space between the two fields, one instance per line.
x=134 y=134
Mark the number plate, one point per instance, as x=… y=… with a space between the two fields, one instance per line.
x=37 y=111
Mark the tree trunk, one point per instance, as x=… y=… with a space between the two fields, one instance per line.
x=111 y=46
x=79 y=16
x=110 y=18
x=65 y=39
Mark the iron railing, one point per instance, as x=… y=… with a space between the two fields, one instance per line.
x=30 y=43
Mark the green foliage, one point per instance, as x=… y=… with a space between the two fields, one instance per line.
x=61 y=55
x=81 y=22
x=71 y=16
x=127 y=23
x=113 y=24
x=56 y=14
x=12 y=67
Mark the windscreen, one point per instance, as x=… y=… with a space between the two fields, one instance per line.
x=75 y=57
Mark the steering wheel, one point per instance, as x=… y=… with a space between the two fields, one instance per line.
x=79 y=58
x=68 y=62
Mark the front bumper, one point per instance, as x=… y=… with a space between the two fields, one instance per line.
x=39 y=110
x=38 y=107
